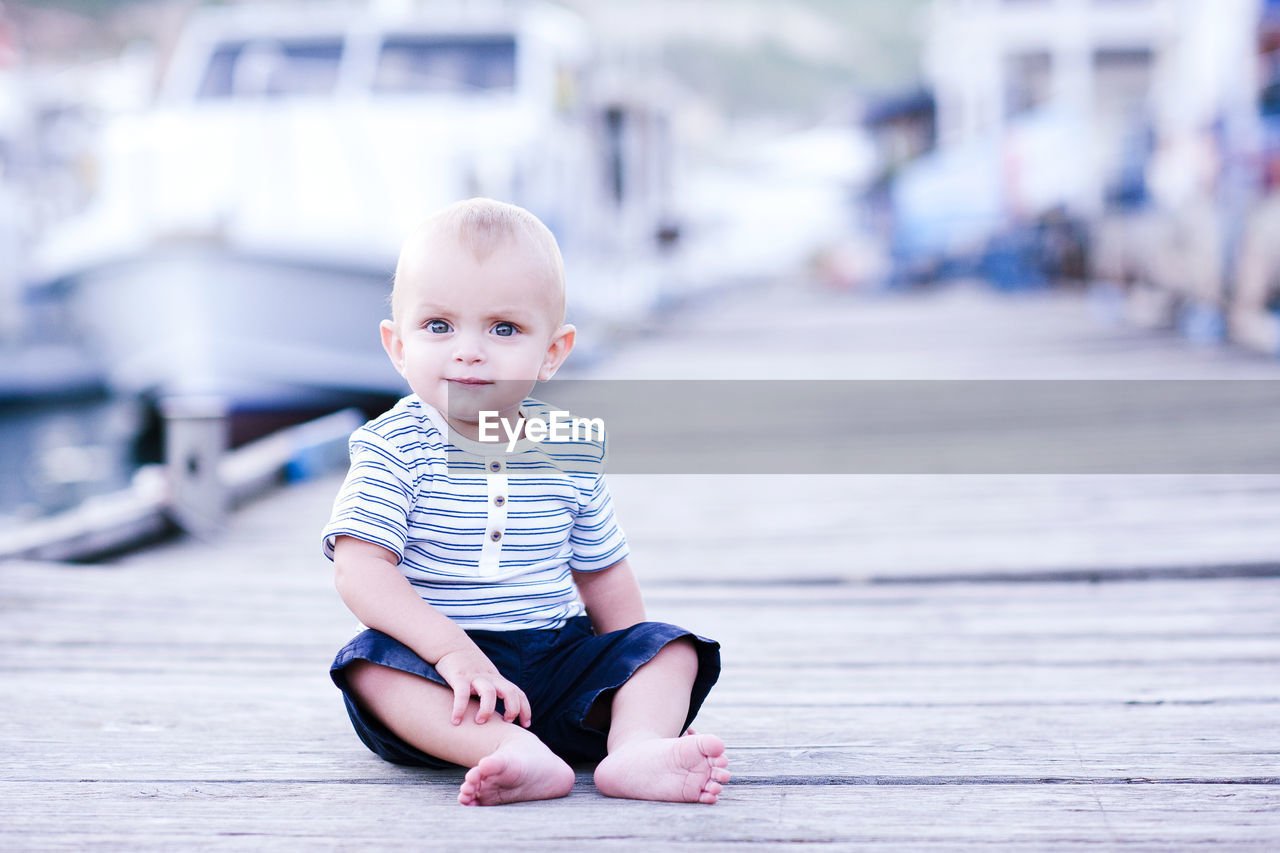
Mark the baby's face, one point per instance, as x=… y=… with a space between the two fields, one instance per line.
x=473 y=336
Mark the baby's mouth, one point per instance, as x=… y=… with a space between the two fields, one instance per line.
x=470 y=381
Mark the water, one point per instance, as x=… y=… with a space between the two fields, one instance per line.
x=55 y=454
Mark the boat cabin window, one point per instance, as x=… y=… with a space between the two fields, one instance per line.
x=446 y=64
x=272 y=67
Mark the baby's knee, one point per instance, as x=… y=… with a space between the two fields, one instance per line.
x=365 y=678
x=680 y=652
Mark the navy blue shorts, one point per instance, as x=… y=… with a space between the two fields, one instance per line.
x=562 y=672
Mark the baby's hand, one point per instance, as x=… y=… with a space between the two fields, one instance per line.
x=470 y=673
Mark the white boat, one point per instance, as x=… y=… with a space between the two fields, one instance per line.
x=245 y=228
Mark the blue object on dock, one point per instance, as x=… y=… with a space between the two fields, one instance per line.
x=1012 y=263
x=1202 y=323
x=309 y=462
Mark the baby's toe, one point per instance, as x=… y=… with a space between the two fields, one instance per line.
x=469 y=790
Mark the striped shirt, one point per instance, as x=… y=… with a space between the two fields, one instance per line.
x=487 y=537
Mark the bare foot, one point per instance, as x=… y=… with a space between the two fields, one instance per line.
x=687 y=769
x=515 y=773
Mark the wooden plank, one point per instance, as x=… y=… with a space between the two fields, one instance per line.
x=885 y=527
x=844 y=652
x=206 y=588
x=849 y=638
x=961 y=332
x=927 y=684
x=862 y=528
x=303 y=734
x=184 y=815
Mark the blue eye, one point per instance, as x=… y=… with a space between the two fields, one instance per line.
x=438 y=327
x=504 y=330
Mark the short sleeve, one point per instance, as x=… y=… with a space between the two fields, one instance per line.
x=596 y=539
x=376 y=497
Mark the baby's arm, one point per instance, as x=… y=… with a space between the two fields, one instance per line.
x=612 y=597
x=382 y=598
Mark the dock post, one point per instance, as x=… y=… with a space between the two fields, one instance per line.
x=195 y=439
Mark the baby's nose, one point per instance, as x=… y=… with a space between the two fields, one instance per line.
x=468 y=352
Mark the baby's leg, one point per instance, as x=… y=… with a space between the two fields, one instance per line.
x=647 y=759
x=508 y=763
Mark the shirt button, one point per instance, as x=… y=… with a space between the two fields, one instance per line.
x=495 y=465
x=499 y=500
x=495 y=535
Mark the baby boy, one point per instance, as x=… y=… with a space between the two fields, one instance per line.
x=506 y=632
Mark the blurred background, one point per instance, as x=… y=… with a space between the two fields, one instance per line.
x=206 y=198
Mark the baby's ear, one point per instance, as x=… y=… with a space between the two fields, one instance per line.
x=392 y=344
x=557 y=351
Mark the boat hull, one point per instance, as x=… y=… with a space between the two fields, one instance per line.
x=260 y=332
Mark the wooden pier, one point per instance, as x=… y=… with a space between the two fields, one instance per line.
x=910 y=661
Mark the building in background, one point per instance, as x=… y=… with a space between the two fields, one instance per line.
x=1127 y=74
x=1141 y=123
x=1254 y=316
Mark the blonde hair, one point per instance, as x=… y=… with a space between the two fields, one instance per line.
x=482 y=226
